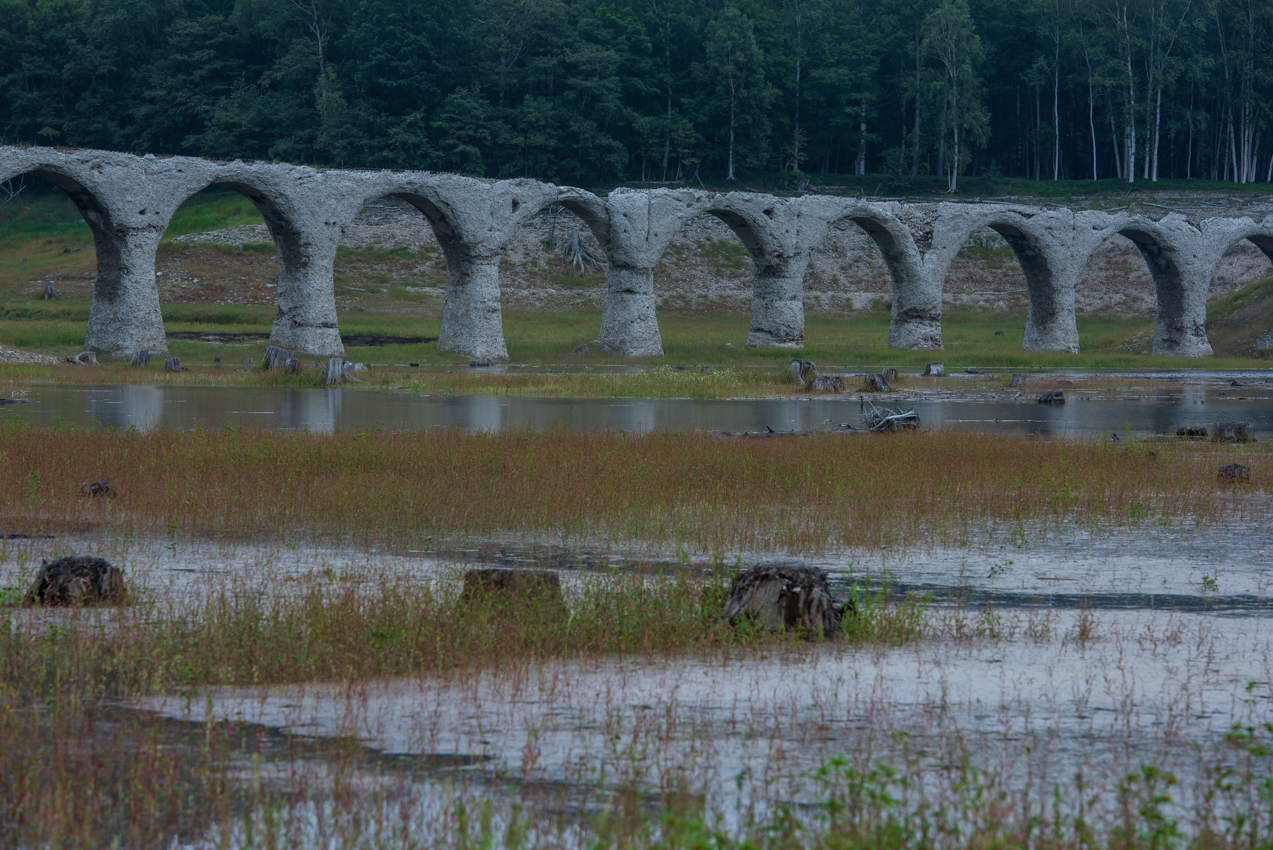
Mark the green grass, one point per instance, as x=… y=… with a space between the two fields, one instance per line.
x=858 y=342
x=1237 y=320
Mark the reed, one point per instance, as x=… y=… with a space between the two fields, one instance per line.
x=669 y=492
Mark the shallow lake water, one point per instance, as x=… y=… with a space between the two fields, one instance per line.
x=1159 y=406
x=1087 y=651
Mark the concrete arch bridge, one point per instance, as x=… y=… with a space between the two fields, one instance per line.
x=128 y=201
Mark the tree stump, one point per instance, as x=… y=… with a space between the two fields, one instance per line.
x=172 y=364
x=935 y=370
x=292 y=367
x=1192 y=431
x=803 y=371
x=333 y=372
x=140 y=358
x=76 y=580
x=825 y=384
x=1017 y=380
x=1054 y=397
x=1234 y=473
x=504 y=585
x=889 y=374
x=49 y=294
x=275 y=358
x=84 y=358
x=98 y=488
x=782 y=596
x=874 y=383
x=1233 y=432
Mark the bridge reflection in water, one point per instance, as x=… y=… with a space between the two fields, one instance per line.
x=326 y=411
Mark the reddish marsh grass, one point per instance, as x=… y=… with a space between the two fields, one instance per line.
x=664 y=491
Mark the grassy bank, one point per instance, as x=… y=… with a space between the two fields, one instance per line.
x=858 y=341
x=671 y=492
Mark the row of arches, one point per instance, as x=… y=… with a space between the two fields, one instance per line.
x=128 y=201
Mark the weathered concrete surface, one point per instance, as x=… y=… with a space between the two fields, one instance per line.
x=474 y=220
x=128 y=201
x=634 y=229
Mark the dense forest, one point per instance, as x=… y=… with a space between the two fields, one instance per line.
x=600 y=91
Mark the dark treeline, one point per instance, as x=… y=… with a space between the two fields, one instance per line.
x=601 y=91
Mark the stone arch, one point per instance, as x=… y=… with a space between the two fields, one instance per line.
x=124 y=313
x=769 y=228
x=1259 y=236
x=473 y=221
x=1180 y=266
x=1039 y=241
x=913 y=324
x=305 y=226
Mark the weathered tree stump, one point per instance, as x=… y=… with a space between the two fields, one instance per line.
x=1233 y=432
x=874 y=383
x=140 y=358
x=76 y=580
x=84 y=358
x=49 y=294
x=292 y=367
x=333 y=372
x=98 y=488
x=275 y=358
x=803 y=371
x=782 y=596
x=935 y=370
x=889 y=374
x=1234 y=473
x=491 y=585
x=1192 y=431
x=825 y=384
x=1054 y=397
x=172 y=364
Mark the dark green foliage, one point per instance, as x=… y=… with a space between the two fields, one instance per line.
x=600 y=92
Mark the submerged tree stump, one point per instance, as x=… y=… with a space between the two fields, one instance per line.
x=76 y=580
x=488 y=586
x=1054 y=397
x=98 y=488
x=1234 y=473
x=782 y=596
x=1233 y=432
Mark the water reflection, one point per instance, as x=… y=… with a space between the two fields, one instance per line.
x=326 y=411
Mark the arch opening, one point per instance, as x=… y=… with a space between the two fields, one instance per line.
x=221 y=249
x=988 y=286
x=1240 y=312
x=63 y=238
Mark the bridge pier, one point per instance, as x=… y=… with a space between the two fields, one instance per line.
x=637 y=229
x=777 y=303
x=124 y=314
x=472 y=319
x=629 y=322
